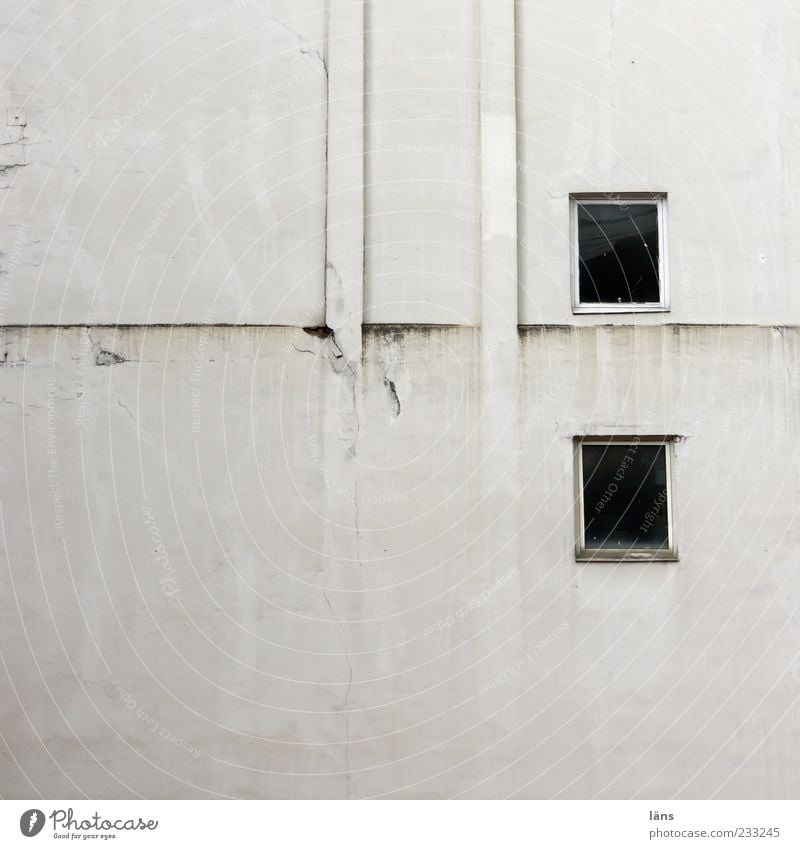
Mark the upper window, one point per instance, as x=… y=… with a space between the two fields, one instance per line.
x=619 y=253
x=625 y=498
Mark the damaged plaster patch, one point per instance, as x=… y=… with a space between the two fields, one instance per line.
x=393 y=399
x=104 y=357
x=6 y=363
x=320 y=332
x=395 y=376
x=108 y=358
x=9 y=168
x=12 y=145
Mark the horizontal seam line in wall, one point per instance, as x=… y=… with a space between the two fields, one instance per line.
x=399 y=327
x=178 y=325
x=648 y=325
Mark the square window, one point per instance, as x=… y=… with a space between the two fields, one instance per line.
x=624 y=496
x=619 y=247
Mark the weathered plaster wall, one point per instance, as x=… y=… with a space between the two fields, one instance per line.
x=698 y=100
x=171 y=166
x=423 y=162
x=253 y=561
x=301 y=629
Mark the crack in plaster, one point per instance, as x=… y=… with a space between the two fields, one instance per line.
x=305 y=46
x=348 y=689
x=125 y=407
x=341 y=365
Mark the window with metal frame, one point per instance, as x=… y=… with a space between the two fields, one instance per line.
x=624 y=498
x=619 y=253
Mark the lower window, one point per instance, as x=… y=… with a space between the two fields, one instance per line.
x=624 y=498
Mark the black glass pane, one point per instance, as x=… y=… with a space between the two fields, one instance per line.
x=618 y=251
x=625 y=496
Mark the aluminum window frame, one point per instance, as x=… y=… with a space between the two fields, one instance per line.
x=659 y=200
x=640 y=555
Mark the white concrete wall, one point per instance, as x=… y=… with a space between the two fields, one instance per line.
x=253 y=561
x=173 y=162
x=697 y=100
x=422 y=162
x=305 y=637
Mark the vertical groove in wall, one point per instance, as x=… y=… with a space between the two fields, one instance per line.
x=499 y=352
x=364 y=153
x=517 y=162
x=326 y=130
x=479 y=90
x=345 y=176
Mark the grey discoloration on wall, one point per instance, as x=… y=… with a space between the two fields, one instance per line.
x=317 y=574
x=333 y=557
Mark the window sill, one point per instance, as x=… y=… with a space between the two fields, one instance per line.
x=602 y=555
x=606 y=309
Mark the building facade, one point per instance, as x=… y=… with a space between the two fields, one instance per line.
x=303 y=382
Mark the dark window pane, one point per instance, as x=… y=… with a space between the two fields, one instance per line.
x=618 y=251
x=625 y=496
